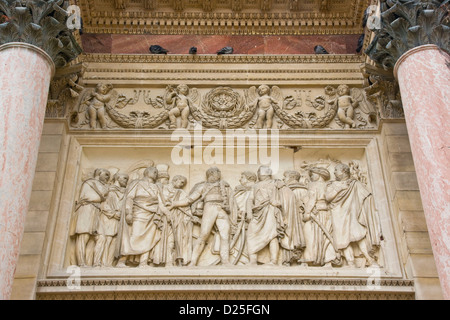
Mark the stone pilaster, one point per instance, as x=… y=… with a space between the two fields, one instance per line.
x=34 y=38
x=414 y=38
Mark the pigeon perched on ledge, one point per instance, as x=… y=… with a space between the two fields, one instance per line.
x=193 y=50
x=226 y=50
x=155 y=49
x=320 y=50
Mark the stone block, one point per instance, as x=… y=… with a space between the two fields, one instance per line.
x=40 y=201
x=28 y=266
x=408 y=200
x=53 y=128
x=393 y=129
x=50 y=143
x=428 y=289
x=413 y=221
x=418 y=243
x=36 y=221
x=401 y=162
x=44 y=181
x=32 y=243
x=47 y=162
x=398 y=144
x=422 y=265
x=405 y=181
x=23 y=289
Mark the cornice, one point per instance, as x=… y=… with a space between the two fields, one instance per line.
x=256 y=59
x=339 y=17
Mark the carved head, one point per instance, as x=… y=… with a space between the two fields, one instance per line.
x=104 y=88
x=179 y=181
x=291 y=175
x=122 y=179
x=102 y=174
x=183 y=89
x=343 y=89
x=316 y=173
x=213 y=174
x=263 y=90
x=342 y=172
x=248 y=177
x=264 y=172
x=151 y=173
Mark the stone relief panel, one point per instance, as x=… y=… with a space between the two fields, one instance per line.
x=315 y=212
x=257 y=107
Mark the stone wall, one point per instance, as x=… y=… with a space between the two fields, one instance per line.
x=43 y=198
x=415 y=246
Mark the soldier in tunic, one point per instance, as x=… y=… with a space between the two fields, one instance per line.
x=84 y=224
x=216 y=196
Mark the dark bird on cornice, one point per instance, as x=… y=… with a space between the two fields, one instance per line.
x=155 y=49
x=226 y=50
x=193 y=50
x=320 y=50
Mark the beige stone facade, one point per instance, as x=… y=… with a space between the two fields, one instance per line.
x=138 y=131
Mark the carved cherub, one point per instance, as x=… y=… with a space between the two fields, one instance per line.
x=267 y=98
x=96 y=104
x=179 y=98
x=346 y=106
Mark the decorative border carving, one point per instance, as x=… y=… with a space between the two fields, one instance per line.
x=185 y=58
x=299 y=289
x=281 y=19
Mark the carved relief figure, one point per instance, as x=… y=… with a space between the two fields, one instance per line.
x=320 y=249
x=145 y=200
x=267 y=226
x=163 y=251
x=96 y=107
x=353 y=216
x=215 y=194
x=292 y=180
x=265 y=103
x=181 y=221
x=87 y=210
x=181 y=102
x=240 y=217
x=346 y=106
x=108 y=224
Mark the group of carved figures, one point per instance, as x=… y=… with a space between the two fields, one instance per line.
x=261 y=107
x=152 y=221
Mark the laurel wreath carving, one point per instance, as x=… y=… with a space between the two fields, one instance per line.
x=299 y=122
x=223 y=108
x=137 y=120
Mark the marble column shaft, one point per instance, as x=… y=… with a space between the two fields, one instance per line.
x=423 y=74
x=24 y=86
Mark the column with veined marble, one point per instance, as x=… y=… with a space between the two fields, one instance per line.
x=423 y=75
x=413 y=40
x=34 y=40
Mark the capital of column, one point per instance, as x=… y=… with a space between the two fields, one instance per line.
x=407 y=24
x=41 y=23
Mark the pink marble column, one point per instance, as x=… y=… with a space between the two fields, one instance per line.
x=25 y=77
x=423 y=74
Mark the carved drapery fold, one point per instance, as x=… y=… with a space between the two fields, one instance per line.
x=40 y=23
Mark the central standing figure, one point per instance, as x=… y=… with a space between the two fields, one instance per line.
x=216 y=196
